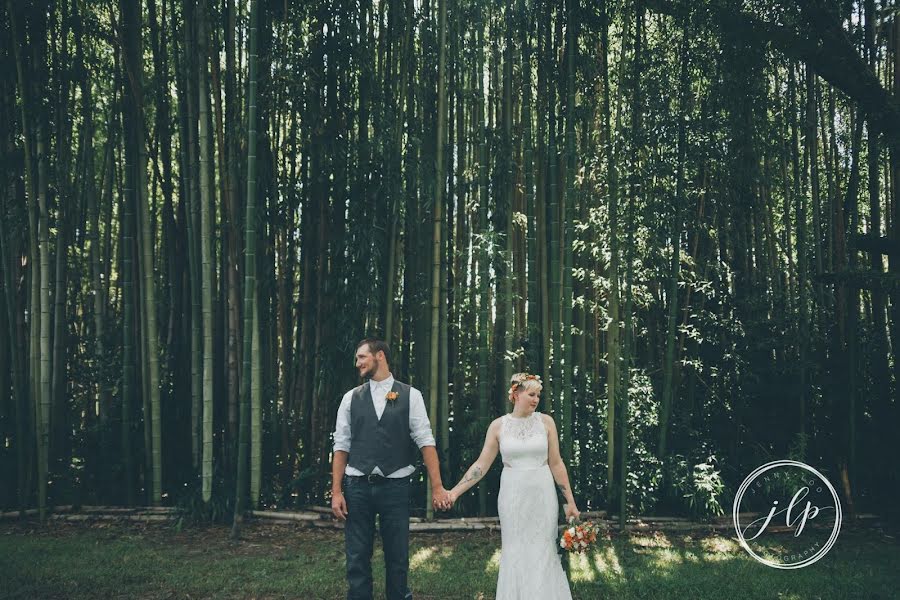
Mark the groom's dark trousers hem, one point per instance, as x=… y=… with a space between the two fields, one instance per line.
x=389 y=499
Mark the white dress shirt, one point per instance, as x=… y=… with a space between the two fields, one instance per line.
x=419 y=426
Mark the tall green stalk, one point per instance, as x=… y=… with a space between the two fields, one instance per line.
x=249 y=278
x=567 y=233
x=206 y=251
x=436 y=252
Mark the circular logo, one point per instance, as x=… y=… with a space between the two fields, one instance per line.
x=786 y=514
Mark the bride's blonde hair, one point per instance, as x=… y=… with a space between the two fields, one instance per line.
x=523 y=381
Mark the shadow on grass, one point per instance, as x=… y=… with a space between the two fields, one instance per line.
x=287 y=562
x=677 y=566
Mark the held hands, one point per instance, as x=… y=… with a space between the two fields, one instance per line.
x=442 y=499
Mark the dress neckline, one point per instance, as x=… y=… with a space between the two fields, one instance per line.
x=510 y=415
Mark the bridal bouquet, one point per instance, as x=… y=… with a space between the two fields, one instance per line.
x=578 y=537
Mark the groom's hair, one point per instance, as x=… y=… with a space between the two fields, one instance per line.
x=375 y=345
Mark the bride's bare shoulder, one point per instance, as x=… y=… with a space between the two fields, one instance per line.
x=548 y=420
x=494 y=427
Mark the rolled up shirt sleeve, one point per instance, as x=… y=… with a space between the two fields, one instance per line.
x=419 y=426
x=342 y=425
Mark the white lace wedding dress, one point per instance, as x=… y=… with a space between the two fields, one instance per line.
x=530 y=568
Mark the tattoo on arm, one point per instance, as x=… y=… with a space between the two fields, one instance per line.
x=473 y=475
x=561 y=487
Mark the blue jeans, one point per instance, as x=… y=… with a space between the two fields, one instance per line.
x=388 y=498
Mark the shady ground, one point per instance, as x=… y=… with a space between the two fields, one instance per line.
x=138 y=560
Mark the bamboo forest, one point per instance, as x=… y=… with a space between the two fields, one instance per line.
x=684 y=216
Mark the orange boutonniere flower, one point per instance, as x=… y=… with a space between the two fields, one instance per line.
x=392 y=395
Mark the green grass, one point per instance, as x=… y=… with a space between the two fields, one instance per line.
x=280 y=561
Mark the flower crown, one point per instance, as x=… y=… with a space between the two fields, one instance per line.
x=519 y=382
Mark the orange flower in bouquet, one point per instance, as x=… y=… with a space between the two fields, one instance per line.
x=578 y=537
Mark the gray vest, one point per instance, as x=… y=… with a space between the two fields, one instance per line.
x=383 y=443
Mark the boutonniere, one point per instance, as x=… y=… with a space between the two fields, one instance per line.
x=392 y=396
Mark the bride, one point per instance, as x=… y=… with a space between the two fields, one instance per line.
x=527 y=505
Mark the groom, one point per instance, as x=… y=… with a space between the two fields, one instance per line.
x=373 y=457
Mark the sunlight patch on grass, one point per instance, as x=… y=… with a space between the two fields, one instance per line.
x=493 y=564
x=774 y=552
x=654 y=540
x=691 y=557
x=580 y=568
x=719 y=548
x=428 y=559
x=665 y=558
x=420 y=559
x=607 y=561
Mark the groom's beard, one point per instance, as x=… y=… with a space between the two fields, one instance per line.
x=370 y=372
